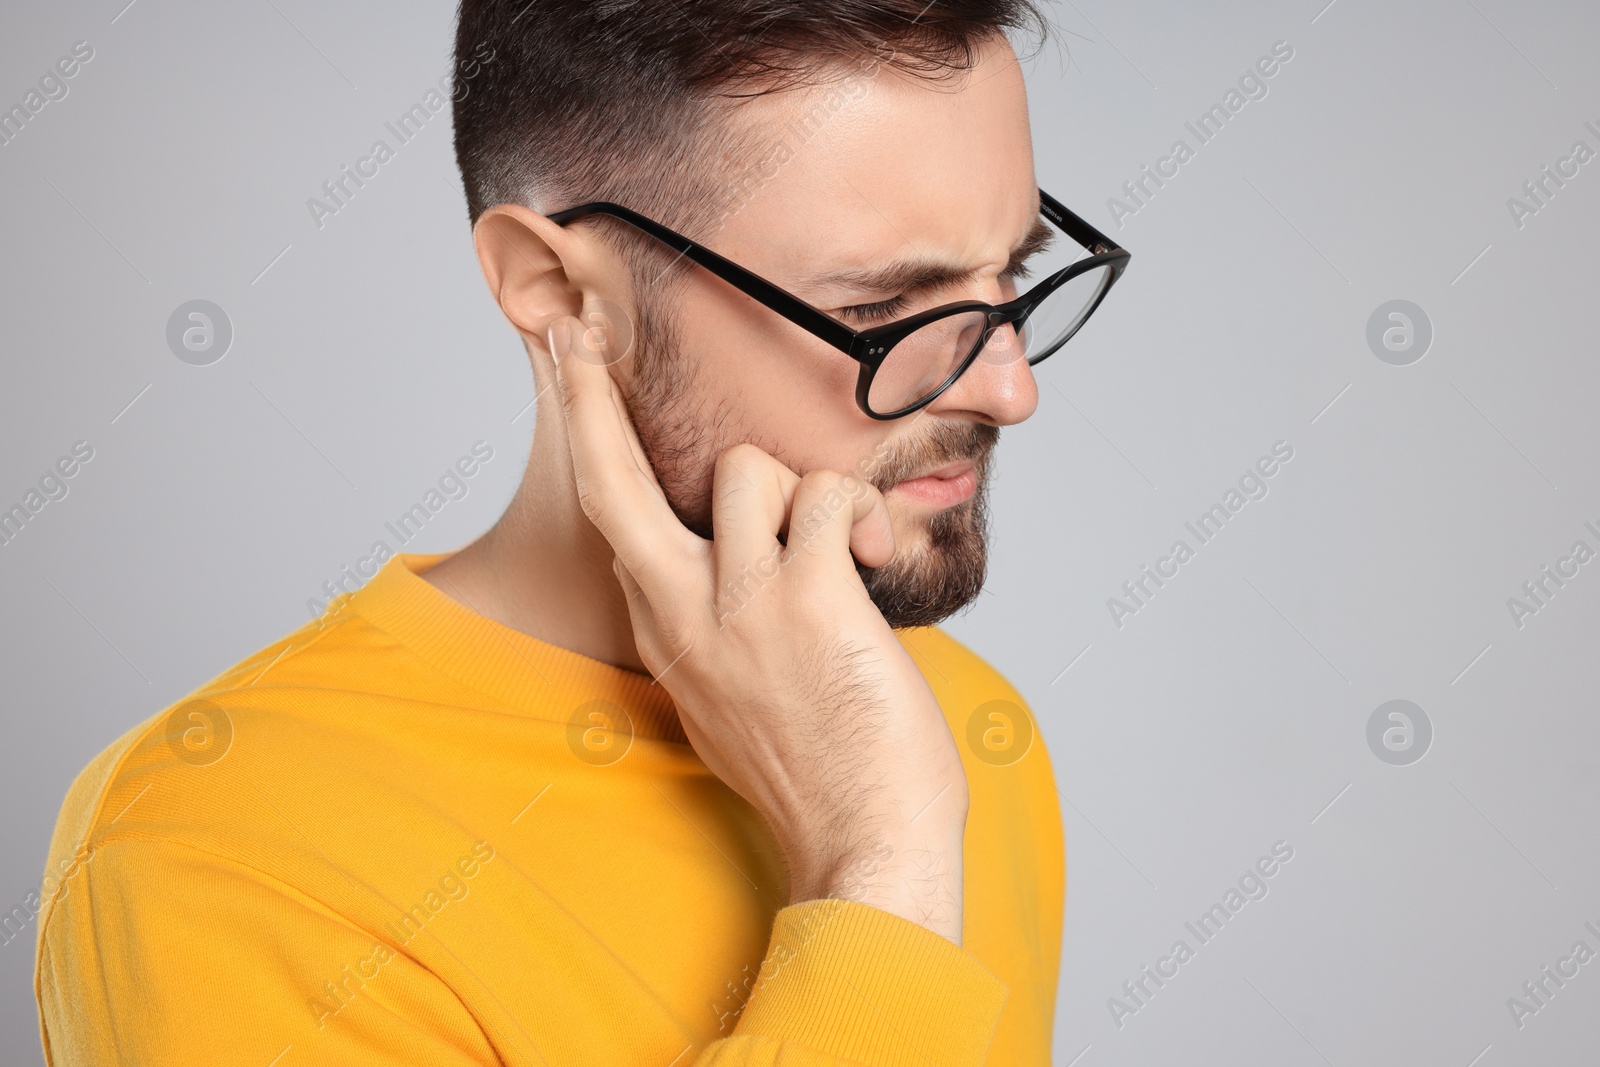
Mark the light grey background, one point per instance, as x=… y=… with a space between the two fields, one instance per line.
x=1228 y=714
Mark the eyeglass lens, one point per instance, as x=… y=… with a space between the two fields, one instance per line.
x=924 y=361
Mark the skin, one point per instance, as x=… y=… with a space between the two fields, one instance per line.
x=800 y=698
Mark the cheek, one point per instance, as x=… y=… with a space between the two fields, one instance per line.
x=783 y=389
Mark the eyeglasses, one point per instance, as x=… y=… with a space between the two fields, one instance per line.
x=907 y=363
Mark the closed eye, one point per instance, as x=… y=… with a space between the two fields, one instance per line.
x=863 y=314
x=882 y=310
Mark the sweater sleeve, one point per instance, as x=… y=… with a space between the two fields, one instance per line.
x=156 y=952
x=153 y=951
x=845 y=983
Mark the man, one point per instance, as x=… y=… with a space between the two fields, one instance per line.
x=670 y=766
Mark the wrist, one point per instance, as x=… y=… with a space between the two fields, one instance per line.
x=919 y=885
x=914 y=873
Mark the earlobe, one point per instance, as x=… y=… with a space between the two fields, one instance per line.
x=520 y=253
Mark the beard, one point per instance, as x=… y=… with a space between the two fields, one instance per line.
x=923 y=584
x=928 y=583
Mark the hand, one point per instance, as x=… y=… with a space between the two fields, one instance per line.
x=789 y=683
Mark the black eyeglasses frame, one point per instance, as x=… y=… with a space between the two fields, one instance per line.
x=872 y=346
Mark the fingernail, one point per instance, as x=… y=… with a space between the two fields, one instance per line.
x=551 y=344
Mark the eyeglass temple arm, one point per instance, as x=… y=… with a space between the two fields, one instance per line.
x=747 y=282
x=798 y=311
x=1074 y=227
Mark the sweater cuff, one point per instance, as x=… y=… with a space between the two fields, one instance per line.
x=859 y=984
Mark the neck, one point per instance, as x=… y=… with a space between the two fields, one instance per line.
x=544 y=569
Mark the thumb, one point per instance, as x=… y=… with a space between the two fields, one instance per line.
x=647 y=636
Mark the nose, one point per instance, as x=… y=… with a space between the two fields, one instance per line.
x=998 y=388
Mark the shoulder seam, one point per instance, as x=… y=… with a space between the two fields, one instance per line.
x=211 y=687
x=230 y=860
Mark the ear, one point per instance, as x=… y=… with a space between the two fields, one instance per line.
x=530 y=265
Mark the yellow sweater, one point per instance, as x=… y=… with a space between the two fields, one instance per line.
x=406 y=834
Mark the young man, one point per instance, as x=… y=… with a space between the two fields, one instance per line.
x=670 y=766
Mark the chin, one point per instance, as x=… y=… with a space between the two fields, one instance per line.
x=939 y=572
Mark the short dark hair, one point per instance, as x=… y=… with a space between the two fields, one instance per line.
x=624 y=100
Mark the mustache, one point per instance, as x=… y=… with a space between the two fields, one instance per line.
x=945 y=443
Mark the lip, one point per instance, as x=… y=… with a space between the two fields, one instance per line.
x=945 y=487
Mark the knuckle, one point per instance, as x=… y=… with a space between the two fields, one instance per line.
x=742 y=459
x=857 y=487
x=577 y=404
x=821 y=481
x=590 y=499
x=817 y=506
x=827 y=490
x=744 y=451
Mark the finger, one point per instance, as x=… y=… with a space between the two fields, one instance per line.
x=835 y=517
x=872 y=531
x=566 y=339
x=750 y=495
x=646 y=631
x=640 y=458
x=624 y=503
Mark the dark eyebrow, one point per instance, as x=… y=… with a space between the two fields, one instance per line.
x=913 y=275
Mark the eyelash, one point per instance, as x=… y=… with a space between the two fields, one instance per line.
x=888 y=309
x=882 y=309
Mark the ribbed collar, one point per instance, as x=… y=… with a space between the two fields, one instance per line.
x=529 y=676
